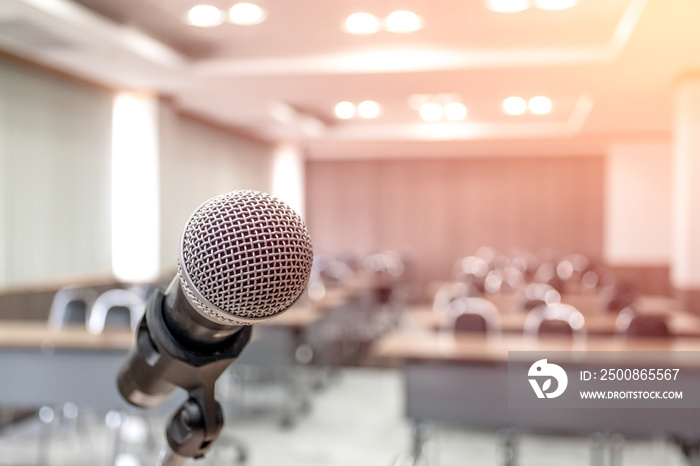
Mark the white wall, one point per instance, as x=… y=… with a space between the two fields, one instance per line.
x=54 y=175
x=199 y=161
x=685 y=271
x=288 y=176
x=638 y=205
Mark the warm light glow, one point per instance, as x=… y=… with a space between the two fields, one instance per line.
x=507 y=6
x=540 y=105
x=362 y=23
x=368 y=109
x=514 y=105
x=403 y=21
x=431 y=111
x=345 y=110
x=455 y=111
x=555 y=4
x=246 y=14
x=288 y=176
x=205 y=16
x=135 y=201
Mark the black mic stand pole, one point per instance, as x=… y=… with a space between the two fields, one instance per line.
x=158 y=363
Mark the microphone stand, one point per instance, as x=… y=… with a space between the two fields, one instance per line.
x=161 y=363
x=192 y=430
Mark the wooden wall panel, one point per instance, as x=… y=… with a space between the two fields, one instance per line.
x=440 y=210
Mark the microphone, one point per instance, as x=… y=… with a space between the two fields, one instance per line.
x=245 y=256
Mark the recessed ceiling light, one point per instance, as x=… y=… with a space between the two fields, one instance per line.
x=514 y=105
x=555 y=4
x=246 y=14
x=368 y=109
x=362 y=23
x=431 y=111
x=345 y=110
x=403 y=21
x=507 y=6
x=455 y=111
x=540 y=105
x=204 y=16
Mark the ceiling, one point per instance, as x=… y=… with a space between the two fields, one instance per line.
x=608 y=66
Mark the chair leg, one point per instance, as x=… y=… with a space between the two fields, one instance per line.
x=46 y=418
x=113 y=420
x=616 y=445
x=690 y=449
x=507 y=453
x=597 y=449
x=606 y=451
x=421 y=434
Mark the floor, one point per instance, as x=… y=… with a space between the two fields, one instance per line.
x=356 y=419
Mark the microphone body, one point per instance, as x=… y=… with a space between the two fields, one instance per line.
x=245 y=257
x=175 y=347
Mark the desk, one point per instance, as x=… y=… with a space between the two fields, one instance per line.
x=40 y=366
x=464 y=380
x=681 y=323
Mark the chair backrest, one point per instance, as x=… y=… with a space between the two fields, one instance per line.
x=536 y=295
x=555 y=319
x=632 y=324
x=70 y=306
x=116 y=308
x=473 y=315
x=617 y=296
x=449 y=293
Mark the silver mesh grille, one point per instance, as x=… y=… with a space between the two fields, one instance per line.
x=247 y=254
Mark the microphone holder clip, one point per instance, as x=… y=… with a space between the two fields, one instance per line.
x=160 y=362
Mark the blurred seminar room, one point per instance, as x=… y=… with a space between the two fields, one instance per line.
x=482 y=181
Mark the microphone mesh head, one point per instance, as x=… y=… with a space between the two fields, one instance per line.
x=245 y=254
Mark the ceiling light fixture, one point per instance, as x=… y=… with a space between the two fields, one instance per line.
x=362 y=23
x=403 y=21
x=204 y=16
x=368 y=109
x=540 y=105
x=555 y=5
x=507 y=6
x=431 y=111
x=246 y=14
x=345 y=110
x=514 y=105
x=455 y=111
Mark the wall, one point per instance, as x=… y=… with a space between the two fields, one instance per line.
x=55 y=162
x=198 y=161
x=638 y=214
x=440 y=210
x=54 y=175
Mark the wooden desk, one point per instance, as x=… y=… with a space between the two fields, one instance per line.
x=298 y=316
x=681 y=323
x=464 y=380
x=40 y=366
x=37 y=335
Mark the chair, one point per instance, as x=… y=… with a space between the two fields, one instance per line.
x=116 y=308
x=617 y=296
x=451 y=291
x=473 y=315
x=471 y=270
x=70 y=306
x=555 y=319
x=538 y=294
x=631 y=324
